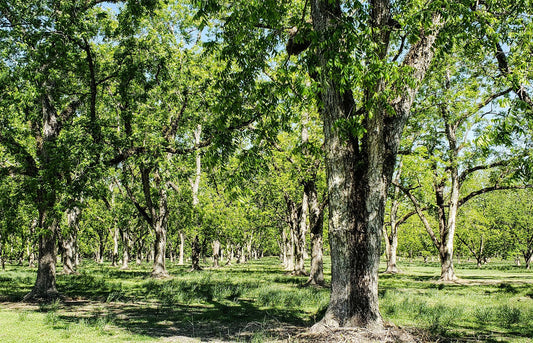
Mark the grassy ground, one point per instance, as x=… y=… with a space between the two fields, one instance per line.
x=257 y=302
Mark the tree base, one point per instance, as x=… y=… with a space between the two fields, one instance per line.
x=159 y=275
x=392 y=271
x=313 y=283
x=299 y=273
x=387 y=333
x=42 y=297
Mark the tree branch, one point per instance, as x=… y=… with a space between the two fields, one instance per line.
x=473 y=194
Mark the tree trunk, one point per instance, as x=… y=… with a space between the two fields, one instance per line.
x=242 y=256
x=316 y=224
x=300 y=235
x=114 y=257
x=69 y=242
x=125 y=248
x=2 y=262
x=195 y=256
x=391 y=240
x=101 y=249
x=528 y=258
x=68 y=254
x=216 y=253
x=182 y=249
x=360 y=167
x=31 y=248
x=159 y=269
x=45 y=285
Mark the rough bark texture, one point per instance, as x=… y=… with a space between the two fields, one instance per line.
x=68 y=254
x=316 y=226
x=45 y=285
x=160 y=218
x=69 y=241
x=359 y=169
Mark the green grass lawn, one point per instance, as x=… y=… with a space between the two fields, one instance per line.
x=257 y=302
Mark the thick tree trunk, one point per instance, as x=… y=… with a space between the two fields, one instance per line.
x=159 y=269
x=45 y=285
x=360 y=167
x=316 y=224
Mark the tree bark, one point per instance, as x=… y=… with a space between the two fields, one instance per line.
x=125 y=248
x=359 y=168
x=45 y=284
x=316 y=225
x=68 y=254
x=182 y=249
x=114 y=257
x=69 y=242
x=391 y=240
x=216 y=253
x=195 y=256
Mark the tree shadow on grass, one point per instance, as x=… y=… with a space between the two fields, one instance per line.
x=211 y=321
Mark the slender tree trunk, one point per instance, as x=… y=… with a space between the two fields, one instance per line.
x=182 y=249
x=242 y=255
x=300 y=235
x=316 y=224
x=216 y=253
x=101 y=249
x=69 y=242
x=114 y=257
x=195 y=256
x=68 y=254
x=31 y=248
x=2 y=261
x=125 y=248
x=391 y=241
x=528 y=257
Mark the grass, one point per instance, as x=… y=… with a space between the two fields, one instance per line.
x=257 y=302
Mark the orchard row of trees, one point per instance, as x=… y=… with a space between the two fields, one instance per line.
x=159 y=129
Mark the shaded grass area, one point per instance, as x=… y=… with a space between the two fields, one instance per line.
x=257 y=302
